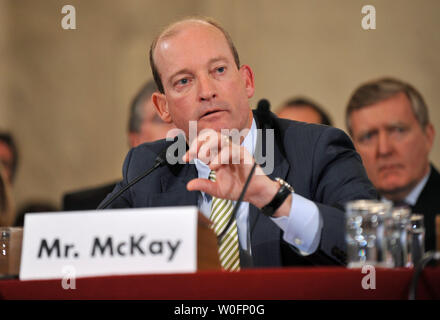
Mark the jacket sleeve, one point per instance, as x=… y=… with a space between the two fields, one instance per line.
x=338 y=177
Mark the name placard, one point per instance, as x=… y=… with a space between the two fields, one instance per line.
x=109 y=242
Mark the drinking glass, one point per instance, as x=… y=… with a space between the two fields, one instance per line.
x=416 y=232
x=366 y=225
x=397 y=236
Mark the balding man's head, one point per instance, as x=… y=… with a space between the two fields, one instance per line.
x=198 y=74
x=174 y=29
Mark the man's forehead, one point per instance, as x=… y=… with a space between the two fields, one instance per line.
x=204 y=33
x=392 y=107
x=186 y=25
x=188 y=28
x=362 y=124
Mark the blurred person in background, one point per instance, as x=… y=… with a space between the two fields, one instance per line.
x=8 y=155
x=305 y=110
x=6 y=202
x=389 y=123
x=8 y=169
x=144 y=125
x=34 y=206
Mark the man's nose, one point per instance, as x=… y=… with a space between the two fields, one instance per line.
x=385 y=146
x=207 y=89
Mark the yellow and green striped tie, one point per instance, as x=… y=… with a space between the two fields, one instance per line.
x=221 y=211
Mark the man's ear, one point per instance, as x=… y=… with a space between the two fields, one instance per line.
x=248 y=78
x=161 y=105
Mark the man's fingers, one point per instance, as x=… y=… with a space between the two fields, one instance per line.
x=231 y=155
x=205 y=138
x=203 y=185
x=206 y=146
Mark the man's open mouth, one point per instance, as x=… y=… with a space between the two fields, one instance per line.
x=390 y=167
x=211 y=112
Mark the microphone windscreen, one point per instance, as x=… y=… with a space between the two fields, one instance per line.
x=263 y=106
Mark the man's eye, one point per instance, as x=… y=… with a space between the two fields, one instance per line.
x=398 y=131
x=181 y=83
x=221 y=69
x=366 y=137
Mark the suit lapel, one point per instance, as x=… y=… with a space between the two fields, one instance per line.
x=281 y=170
x=173 y=187
x=429 y=192
x=428 y=204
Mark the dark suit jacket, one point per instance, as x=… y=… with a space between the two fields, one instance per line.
x=428 y=204
x=86 y=199
x=318 y=161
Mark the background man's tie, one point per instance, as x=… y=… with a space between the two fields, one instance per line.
x=221 y=211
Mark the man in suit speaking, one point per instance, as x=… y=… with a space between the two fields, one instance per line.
x=292 y=215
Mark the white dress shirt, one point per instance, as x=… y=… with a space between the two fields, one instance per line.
x=302 y=228
x=412 y=197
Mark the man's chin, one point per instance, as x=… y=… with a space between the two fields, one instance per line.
x=396 y=191
x=216 y=126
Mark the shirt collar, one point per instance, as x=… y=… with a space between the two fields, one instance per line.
x=412 y=197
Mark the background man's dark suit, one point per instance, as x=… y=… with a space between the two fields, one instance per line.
x=86 y=199
x=318 y=161
x=428 y=204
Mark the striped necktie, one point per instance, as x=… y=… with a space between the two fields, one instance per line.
x=221 y=211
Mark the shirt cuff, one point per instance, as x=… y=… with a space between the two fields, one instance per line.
x=302 y=228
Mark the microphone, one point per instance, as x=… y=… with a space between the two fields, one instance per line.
x=265 y=117
x=266 y=121
x=263 y=106
x=160 y=161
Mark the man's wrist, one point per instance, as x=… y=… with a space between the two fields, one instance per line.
x=285 y=190
x=284 y=209
x=264 y=191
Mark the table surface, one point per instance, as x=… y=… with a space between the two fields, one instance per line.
x=251 y=284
